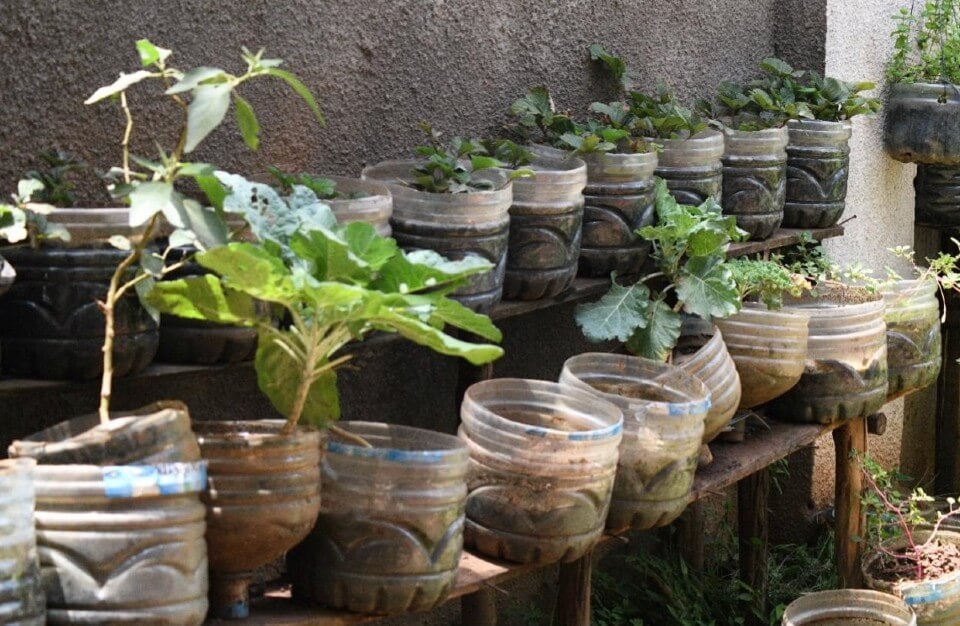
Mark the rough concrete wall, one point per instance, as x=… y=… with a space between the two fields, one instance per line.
x=881 y=196
x=801 y=29
x=377 y=66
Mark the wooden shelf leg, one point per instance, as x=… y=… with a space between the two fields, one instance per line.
x=753 y=532
x=479 y=608
x=847 y=438
x=573 y=592
x=691 y=536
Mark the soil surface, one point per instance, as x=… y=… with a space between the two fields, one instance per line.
x=938 y=559
x=637 y=391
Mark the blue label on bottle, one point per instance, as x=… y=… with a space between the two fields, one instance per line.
x=132 y=481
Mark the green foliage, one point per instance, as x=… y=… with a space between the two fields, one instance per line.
x=452 y=168
x=324 y=188
x=615 y=65
x=807 y=258
x=538 y=119
x=508 y=152
x=926 y=44
x=833 y=100
x=57 y=187
x=336 y=283
x=24 y=219
x=689 y=248
x=765 y=281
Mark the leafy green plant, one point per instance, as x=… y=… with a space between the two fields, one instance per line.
x=926 y=44
x=538 y=119
x=324 y=188
x=834 y=100
x=689 y=248
x=452 y=168
x=57 y=187
x=24 y=218
x=892 y=513
x=203 y=95
x=513 y=155
x=765 y=281
x=657 y=116
x=336 y=284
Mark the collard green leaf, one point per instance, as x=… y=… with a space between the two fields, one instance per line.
x=616 y=315
x=205 y=112
x=410 y=272
x=247 y=121
x=367 y=245
x=279 y=376
x=426 y=335
x=447 y=311
x=203 y=298
x=706 y=288
x=330 y=257
x=251 y=269
x=659 y=335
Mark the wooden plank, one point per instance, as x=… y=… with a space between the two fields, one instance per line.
x=479 y=608
x=582 y=289
x=753 y=535
x=849 y=438
x=573 y=592
x=781 y=238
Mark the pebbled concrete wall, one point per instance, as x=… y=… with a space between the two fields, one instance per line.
x=378 y=67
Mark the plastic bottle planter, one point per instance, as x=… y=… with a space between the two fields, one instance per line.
x=692 y=167
x=846 y=370
x=390 y=532
x=754 y=179
x=115 y=550
x=913 y=336
x=851 y=607
x=922 y=123
x=701 y=352
x=619 y=199
x=21 y=591
x=936 y=601
x=769 y=349
x=664 y=410
x=543 y=457
x=818 y=165
x=50 y=323
x=362 y=201
x=453 y=224
x=264 y=491
x=198 y=342
x=546 y=221
x=938 y=195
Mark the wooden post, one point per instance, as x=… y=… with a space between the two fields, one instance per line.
x=850 y=437
x=479 y=608
x=573 y=592
x=753 y=532
x=691 y=536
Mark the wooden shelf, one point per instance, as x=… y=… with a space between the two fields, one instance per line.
x=732 y=462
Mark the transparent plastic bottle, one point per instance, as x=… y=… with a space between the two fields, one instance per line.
x=913 y=335
x=21 y=591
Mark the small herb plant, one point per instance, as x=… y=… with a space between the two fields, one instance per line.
x=833 y=100
x=452 y=168
x=926 y=44
x=689 y=248
x=57 y=187
x=765 y=281
x=893 y=514
x=203 y=95
x=24 y=218
x=537 y=118
x=508 y=152
x=324 y=188
x=336 y=284
x=657 y=116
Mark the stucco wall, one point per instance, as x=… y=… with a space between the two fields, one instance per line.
x=377 y=66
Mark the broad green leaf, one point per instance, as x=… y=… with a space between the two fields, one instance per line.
x=658 y=336
x=247 y=121
x=479 y=162
x=205 y=112
x=706 y=288
x=196 y=77
x=153 y=197
x=775 y=66
x=143 y=288
x=616 y=315
x=204 y=223
x=706 y=241
x=151 y=54
x=203 y=297
x=301 y=90
x=366 y=244
x=213 y=189
x=435 y=339
x=27 y=187
x=279 y=377
x=195 y=170
x=440 y=310
x=330 y=257
x=410 y=272
x=251 y=269
x=125 y=81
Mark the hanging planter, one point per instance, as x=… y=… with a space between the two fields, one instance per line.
x=664 y=409
x=618 y=200
x=21 y=590
x=692 y=167
x=935 y=600
x=818 y=166
x=543 y=457
x=264 y=490
x=453 y=224
x=702 y=353
x=922 y=123
x=769 y=349
x=848 y=607
x=937 y=195
x=846 y=370
x=546 y=220
x=390 y=531
x=912 y=315
x=754 y=178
